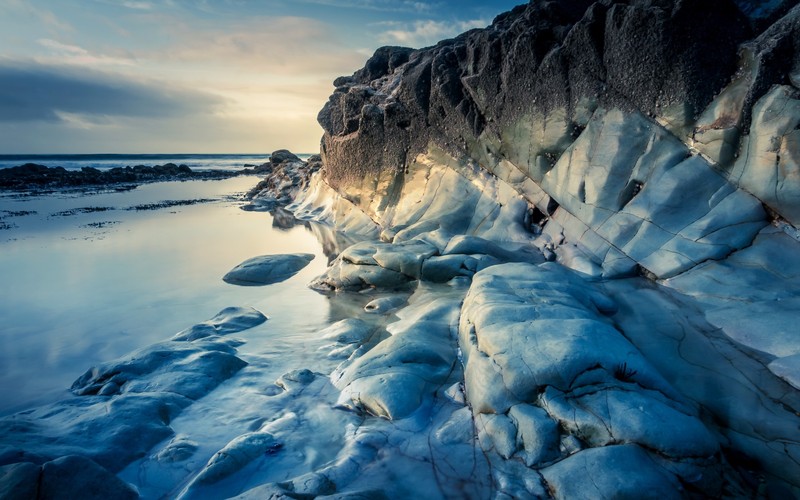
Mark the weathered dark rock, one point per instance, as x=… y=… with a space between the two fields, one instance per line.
x=650 y=55
x=34 y=176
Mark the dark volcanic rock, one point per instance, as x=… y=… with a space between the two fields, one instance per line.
x=34 y=176
x=661 y=57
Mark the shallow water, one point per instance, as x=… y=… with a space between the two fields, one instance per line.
x=80 y=287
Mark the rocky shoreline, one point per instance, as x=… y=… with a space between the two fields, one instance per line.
x=574 y=249
x=32 y=177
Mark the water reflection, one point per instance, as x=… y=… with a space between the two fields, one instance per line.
x=93 y=285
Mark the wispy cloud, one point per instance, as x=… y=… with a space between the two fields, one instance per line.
x=42 y=16
x=425 y=32
x=73 y=54
x=275 y=47
x=138 y=5
x=379 y=5
x=71 y=95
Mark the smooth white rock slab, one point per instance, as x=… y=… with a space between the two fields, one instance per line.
x=229 y=320
x=189 y=369
x=267 y=269
x=753 y=295
x=546 y=375
x=624 y=471
x=347 y=331
x=787 y=368
x=624 y=415
x=769 y=161
x=637 y=188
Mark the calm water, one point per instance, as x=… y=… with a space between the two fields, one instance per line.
x=107 y=161
x=84 y=280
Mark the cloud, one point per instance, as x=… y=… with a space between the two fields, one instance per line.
x=72 y=54
x=379 y=5
x=81 y=97
x=423 y=33
x=43 y=16
x=138 y=5
x=287 y=46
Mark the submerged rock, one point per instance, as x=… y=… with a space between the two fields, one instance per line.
x=267 y=269
x=229 y=320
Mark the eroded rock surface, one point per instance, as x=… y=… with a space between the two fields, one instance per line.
x=571 y=239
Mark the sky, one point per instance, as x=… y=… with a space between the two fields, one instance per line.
x=195 y=76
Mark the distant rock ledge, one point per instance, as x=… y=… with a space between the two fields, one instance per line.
x=32 y=176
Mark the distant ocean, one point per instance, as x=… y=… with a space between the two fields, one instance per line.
x=107 y=161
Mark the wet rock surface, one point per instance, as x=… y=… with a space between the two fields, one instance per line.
x=567 y=248
x=267 y=269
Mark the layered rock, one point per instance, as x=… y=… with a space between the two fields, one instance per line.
x=619 y=139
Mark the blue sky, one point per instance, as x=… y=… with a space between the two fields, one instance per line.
x=160 y=76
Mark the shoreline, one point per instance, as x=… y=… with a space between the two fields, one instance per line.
x=40 y=179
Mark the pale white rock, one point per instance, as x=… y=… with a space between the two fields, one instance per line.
x=394 y=378
x=343 y=275
x=787 y=368
x=456 y=393
x=405 y=257
x=180 y=448
x=441 y=269
x=716 y=132
x=624 y=471
x=758 y=408
x=496 y=432
x=537 y=433
x=627 y=415
x=347 y=331
x=235 y=455
x=458 y=429
x=267 y=269
x=635 y=187
x=515 y=480
x=541 y=360
x=769 y=162
x=229 y=320
x=752 y=295
x=534 y=139
x=191 y=369
x=323 y=204
x=384 y=305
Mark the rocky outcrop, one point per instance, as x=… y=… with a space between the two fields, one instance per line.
x=285 y=176
x=32 y=176
x=565 y=251
x=636 y=143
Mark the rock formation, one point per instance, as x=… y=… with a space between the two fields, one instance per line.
x=652 y=151
x=572 y=239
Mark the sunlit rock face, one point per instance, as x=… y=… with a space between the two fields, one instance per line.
x=655 y=154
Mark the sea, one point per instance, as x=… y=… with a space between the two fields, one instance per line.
x=108 y=161
x=88 y=276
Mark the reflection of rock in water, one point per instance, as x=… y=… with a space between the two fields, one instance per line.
x=283 y=219
x=332 y=241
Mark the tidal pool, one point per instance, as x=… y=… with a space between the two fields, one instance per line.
x=90 y=277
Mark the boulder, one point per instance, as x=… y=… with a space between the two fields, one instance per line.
x=267 y=269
